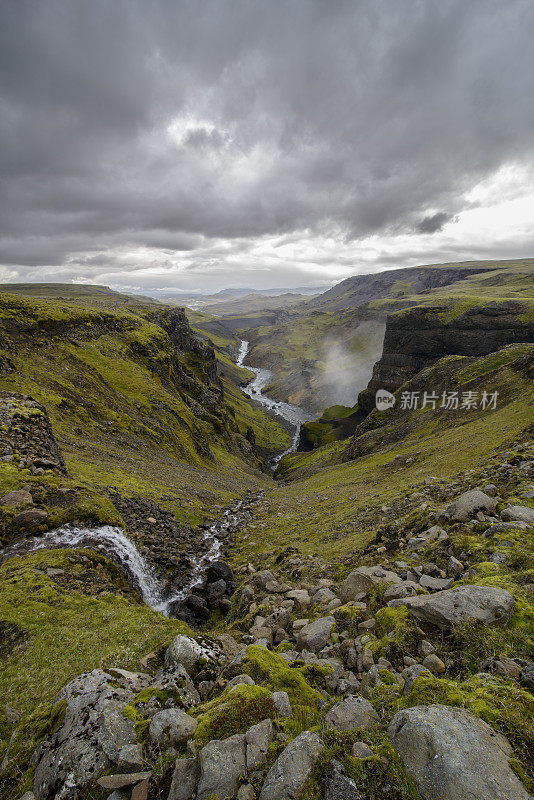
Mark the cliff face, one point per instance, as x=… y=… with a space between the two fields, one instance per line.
x=418 y=337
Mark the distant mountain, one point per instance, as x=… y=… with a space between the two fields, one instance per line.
x=360 y=289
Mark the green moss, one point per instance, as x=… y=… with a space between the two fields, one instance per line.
x=502 y=704
x=141 y=725
x=372 y=775
x=233 y=712
x=519 y=770
x=271 y=670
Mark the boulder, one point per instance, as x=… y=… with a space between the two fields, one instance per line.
x=452 y=755
x=323 y=596
x=289 y=773
x=433 y=534
x=434 y=664
x=219 y=570
x=527 y=675
x=518 y=514
x=241 y=680
x=410 y=675
x=337 y=785
x=122 y=781
x=246 y=792
x=89 y=739
x=20 y=497
x=351 y=713
x=455 y=567
x=262 y=578
x=361 y=750
x=186 y=651
x=355 y=585
x=278 y=619
x=453 y=607
x=501 y=665
x=301 y=598
x=131 y=758
x=257 y=741
x=222 y=763
x=435 y=584
x=315 y=635
x=282 y=704
x=184 y=779
x=171 y=727
x=468 y=504
x=215 y=591
x=399 y=590
x=362 y=579
x=30 y=520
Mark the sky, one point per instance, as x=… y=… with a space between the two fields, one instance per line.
x=195 y=145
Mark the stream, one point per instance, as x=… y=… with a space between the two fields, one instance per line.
x=114 y=543
x=295 y=415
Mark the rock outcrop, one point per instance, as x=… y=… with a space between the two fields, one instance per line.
x=453 y=755
x=453 y=607
x=417 y=337
x=27 y=436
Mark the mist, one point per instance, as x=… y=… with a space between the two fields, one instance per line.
x=348 y=365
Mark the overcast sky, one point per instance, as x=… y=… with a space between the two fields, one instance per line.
x=198 y=144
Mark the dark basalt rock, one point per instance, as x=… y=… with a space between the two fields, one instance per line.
x=418 y=337
x=219 y=571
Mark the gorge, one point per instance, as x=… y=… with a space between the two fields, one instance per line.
x=189 y=597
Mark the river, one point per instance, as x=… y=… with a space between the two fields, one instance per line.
x=114 y=543
x=294 y=415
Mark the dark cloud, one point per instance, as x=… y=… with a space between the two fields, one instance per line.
x=434 y=222
x=182 y=124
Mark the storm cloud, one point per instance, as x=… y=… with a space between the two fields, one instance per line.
x=207 y=142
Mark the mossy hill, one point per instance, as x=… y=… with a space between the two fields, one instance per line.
x=125 y=411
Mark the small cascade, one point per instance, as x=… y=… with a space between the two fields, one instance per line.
x=211 y=540
x=112 y=542
x=116 y=546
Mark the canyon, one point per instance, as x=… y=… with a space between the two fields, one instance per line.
x=212 y=585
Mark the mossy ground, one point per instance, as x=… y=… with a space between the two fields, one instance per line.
x=119 y=411
x=66 y=631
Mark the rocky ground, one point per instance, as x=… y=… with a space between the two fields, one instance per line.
x=398 y=679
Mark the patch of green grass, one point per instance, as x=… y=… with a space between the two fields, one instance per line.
x=64 y=632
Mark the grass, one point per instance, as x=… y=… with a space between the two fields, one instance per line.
x=126 y=413
x=326 y=513
x=63 y=632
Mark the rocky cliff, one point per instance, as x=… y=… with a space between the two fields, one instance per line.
x=417 y=337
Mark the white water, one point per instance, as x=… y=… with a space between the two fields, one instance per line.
x=109 y=540
x=295 y=415
x=115 y=545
